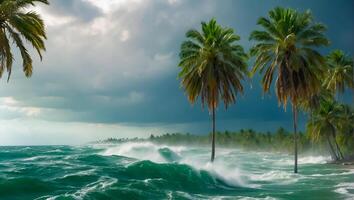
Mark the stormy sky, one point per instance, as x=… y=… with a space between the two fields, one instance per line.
x=110 y=70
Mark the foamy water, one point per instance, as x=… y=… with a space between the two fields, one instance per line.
x=144 y=170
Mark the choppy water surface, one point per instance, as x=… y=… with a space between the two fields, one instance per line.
x=149 y=171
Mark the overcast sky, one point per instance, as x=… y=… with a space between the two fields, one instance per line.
x=110 y=70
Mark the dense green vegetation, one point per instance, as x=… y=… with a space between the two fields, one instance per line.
x=281 y=140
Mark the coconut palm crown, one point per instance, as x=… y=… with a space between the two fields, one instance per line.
x=287 y=46
x=340 y=72
x=212 y=65
x=19 y=26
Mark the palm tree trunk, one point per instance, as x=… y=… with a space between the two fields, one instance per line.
x=213 y=138
x=340 y=154
x=334 y=155
x=295 y=136
x=353 y=90
x=340 y=151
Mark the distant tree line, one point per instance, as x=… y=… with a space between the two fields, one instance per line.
x=279 y=141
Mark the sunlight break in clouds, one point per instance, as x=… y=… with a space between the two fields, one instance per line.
x=9 y=104
x=125 y=35
x=51 y=19
x=110 y=5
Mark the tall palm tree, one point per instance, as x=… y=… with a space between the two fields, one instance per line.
x=286 y=46
x=340 y=72
x=19 y=25
x=212 y=67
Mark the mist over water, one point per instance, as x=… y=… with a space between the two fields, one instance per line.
x=148 y=171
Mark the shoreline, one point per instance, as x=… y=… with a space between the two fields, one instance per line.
x=346 y=163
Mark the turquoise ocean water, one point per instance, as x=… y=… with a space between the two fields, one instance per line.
x=150 y=171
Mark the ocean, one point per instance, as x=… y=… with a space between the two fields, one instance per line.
x=144 y=170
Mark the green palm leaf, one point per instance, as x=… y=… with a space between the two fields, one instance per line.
x=18 y=25
x=212 y=65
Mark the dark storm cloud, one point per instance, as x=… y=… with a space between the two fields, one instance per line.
x=82 y=10
x=121 y=66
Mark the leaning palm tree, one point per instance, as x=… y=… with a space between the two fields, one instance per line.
x=287 y=47
x=326 y=121
x=19 y=26
x=340 y=72
x=212 y=67
x=346 y=129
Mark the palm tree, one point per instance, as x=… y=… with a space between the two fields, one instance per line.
x=287 y=46
x=340 y=72
x=17 y=24
x=346 y=129
x=325 y=123
x=212 y=67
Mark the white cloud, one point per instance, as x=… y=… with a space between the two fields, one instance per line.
x=101 y=25
x=172 y=2
x=124 y=36
x=51 y=19
x=10 y=105
x=108 y=6
x=161 y=57
x=8 y=101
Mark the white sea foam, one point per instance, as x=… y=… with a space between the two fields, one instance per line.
x=240 y=198
x=334 y=174
x=137 y=150
x=141 y=151
x=343 y=188
x=257 y=198
x=304 y=160
x=149 y=151
x=35 y=158
x=80 y=173
x=280 y=177
x=55 y=151
x=314 y=160
x=99 y=185
x=151 y=179
x=231 y=176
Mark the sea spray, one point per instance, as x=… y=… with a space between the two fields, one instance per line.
x=165 y=154
x=152 y=171
x=138 y=150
